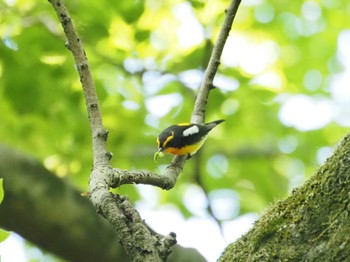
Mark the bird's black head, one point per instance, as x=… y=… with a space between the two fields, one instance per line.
x=164 y=138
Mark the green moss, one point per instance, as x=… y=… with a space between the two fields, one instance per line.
x=312 y=224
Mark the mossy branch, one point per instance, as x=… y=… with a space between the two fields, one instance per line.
x=312 y=224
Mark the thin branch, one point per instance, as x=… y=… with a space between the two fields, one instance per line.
x=198 y=113
x=214 y=62
x=174 y=169
x=74 y=44
x=172 y=172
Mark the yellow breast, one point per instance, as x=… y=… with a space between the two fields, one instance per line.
x=189 y=149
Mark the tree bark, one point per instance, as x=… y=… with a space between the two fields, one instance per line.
x=50 y=213
x=312 y=224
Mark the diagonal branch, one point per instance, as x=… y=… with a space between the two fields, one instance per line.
x=94 y=114
x=214 y=62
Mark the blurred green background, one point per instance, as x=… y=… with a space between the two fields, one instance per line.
x=282 y=87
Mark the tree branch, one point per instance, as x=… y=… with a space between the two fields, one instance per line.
x=118 y=210
x=214 y=62
x=312 y=224
x=133 y=233
x=168 y=180
x=74 y=44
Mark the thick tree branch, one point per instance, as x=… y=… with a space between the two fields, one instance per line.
x=312 y=224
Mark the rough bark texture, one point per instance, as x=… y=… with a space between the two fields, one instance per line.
x=313 y=224
x=139 y=242
x=50 y=213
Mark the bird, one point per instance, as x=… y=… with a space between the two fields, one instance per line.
x=183 y=138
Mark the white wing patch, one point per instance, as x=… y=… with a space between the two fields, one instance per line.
x=190 y=131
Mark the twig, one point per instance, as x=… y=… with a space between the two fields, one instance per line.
x=198 y=113
x=214 y=62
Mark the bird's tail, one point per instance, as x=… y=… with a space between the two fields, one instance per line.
x=213 y=124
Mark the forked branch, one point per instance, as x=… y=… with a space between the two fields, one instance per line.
x=140 y=243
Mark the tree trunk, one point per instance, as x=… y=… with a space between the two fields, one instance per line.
x=312 y=224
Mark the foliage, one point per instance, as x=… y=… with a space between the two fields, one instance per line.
x=280 y=59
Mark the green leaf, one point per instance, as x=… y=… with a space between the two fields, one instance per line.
x=3 y=235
